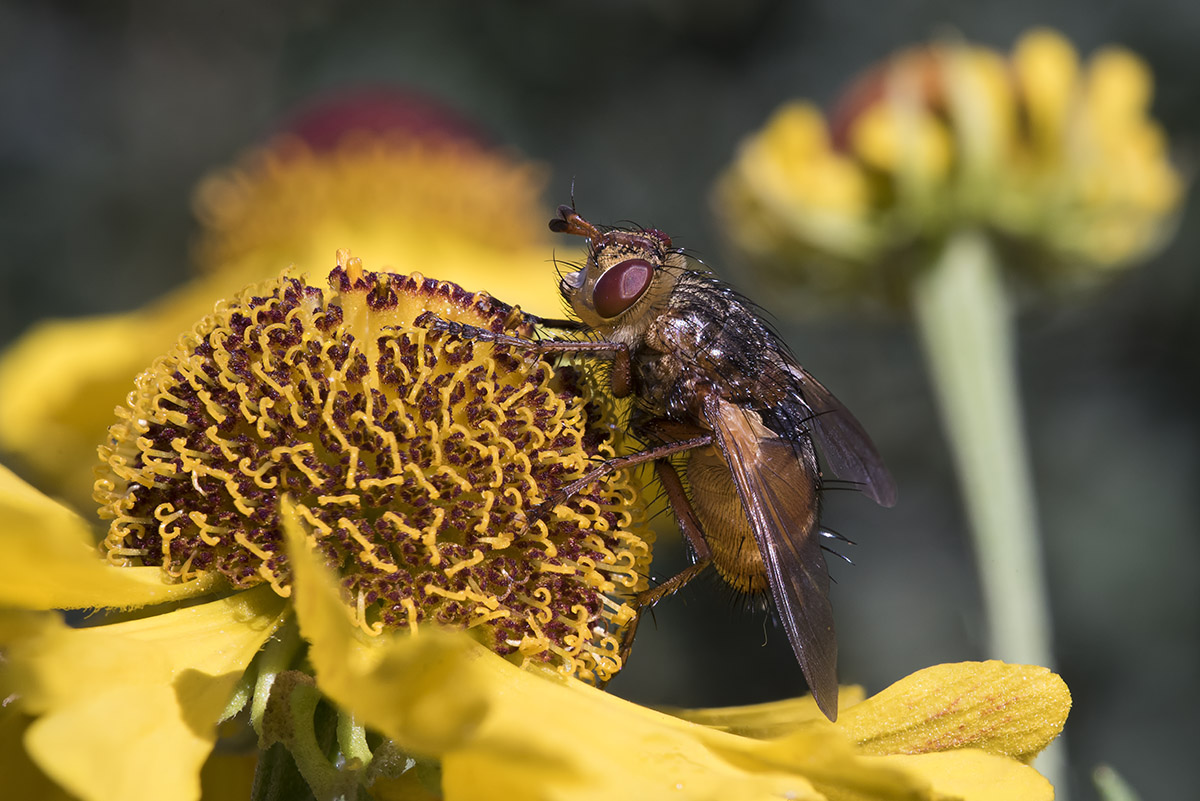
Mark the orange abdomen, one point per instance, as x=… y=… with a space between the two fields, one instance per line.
x=727 y=530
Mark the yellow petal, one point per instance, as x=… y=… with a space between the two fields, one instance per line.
x=789 y=176
x=796 y=134
x=215 y=638
x=984 y=109
x=1047 y=72
x=129 y=710
x=502 y=732
x=1012 y=710
x=50 y=560
x=122 y=746
x=836 y=771
x=1119 y=87
x=61 y=381
x=764 y=721
x=902 y=137
x=58 y=386
x=973 y=775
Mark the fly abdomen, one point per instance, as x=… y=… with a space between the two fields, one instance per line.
x=727 y=531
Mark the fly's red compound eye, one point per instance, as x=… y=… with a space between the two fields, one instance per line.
x=621 y=285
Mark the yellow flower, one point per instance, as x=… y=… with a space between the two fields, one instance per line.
x=442 y=206
x=1059 y=160
x=415 y=461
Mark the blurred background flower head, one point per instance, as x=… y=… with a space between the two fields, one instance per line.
x=1056 y=158
x=416 y=187
x=401 y=175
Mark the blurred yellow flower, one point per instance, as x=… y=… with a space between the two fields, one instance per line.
x=403 y=202
x=445 y=206
x=1057 y=159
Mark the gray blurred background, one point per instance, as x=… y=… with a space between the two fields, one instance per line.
x=110 y=113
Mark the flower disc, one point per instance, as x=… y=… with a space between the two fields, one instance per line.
x=414 y=457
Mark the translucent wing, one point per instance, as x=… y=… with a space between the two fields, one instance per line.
x=843 y=442
x=776 y=481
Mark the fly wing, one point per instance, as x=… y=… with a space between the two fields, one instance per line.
x=775 y=479
x=843 y=442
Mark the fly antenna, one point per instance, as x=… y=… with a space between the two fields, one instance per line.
x=569 y=222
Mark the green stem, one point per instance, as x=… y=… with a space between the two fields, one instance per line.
x=966 y=329
x=965 y=322
x=277 y=656
x=1111 y=786
x=352 y=741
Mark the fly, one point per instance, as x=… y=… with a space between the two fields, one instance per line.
x=720 y=396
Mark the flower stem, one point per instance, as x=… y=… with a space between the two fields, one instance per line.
x=1111 y=786
x=963 y=313
x=352 y=740
x=277 y=656
x=965 y=323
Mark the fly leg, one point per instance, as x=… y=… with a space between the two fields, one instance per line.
x=622 y=374
x=610 y=466
x=677 y=438
x=681 y=437
x=692 y=531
